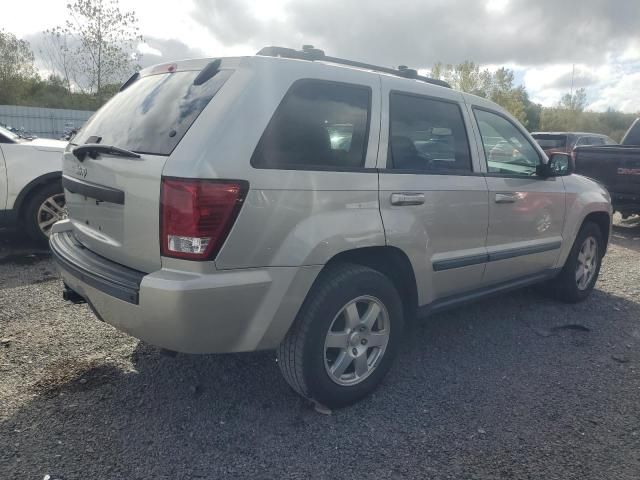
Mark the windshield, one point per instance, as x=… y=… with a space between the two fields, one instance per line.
x=551 y=141
x=153 y=114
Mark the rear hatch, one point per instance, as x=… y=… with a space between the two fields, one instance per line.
x=112 y=182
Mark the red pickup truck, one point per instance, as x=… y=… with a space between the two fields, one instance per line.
x=564 y=142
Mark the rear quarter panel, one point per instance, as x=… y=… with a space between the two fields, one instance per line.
x=290 y=217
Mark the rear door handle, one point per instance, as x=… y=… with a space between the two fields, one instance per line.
x=407 y=198
x=506 y=197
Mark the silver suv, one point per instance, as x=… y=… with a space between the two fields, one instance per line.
x=310 y=204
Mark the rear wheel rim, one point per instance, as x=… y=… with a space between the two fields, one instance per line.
x=52 y=210
x=587 y=263
x=356 y=341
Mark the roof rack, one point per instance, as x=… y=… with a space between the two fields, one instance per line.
x=310 y=53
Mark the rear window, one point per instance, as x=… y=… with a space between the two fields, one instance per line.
x=551 y=141
x=153 y=114
x=319 y=125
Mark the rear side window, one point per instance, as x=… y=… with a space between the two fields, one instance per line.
x=318 y=125
x=427 y=135
x=551 y=141
x=153 y=114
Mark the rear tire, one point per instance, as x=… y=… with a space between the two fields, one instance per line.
x=580 y=272
x=44 y=207
x=345 y=336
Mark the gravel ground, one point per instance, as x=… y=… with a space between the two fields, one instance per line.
x=516 y=386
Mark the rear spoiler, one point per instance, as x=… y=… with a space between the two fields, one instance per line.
x=207 y=68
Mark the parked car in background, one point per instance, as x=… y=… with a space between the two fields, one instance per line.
x=553 y=142
x=617 y=167
x=31 y=193
x=310 y=204
x=20 y=132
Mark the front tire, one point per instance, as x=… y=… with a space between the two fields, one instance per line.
x=345 y=336
x=45 y=207
x=580 y=272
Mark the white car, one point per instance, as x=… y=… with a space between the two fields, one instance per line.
x=31 y=193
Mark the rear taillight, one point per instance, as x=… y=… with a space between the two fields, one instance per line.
x=197 y=215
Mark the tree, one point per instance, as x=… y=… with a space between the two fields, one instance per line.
x=98 y=45
x=59 y=56
x=497 y=86
x=576 y=101
x=16 y=66
x=502 y=91
x=466 y=77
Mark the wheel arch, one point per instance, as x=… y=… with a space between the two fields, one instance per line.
x=30 y=188
x=391 y=262
x=603 y=221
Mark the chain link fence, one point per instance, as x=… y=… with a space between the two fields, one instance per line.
x=42 y=122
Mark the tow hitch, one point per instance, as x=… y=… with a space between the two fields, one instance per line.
x=72 y=296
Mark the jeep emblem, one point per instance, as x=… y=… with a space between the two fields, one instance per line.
x=81 y=171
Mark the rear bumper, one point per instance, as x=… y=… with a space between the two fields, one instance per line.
x=96 y=271
x=227 y=311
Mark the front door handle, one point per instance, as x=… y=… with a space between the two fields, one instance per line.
x=506 y=197
x=407 y=198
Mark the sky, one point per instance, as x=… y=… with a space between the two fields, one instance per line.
x=545 y=42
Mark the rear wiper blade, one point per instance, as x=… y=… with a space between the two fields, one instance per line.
x=93 y=149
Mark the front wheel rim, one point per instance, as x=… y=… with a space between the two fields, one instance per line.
x=587 y=263
x=52 y=210
x=356 y=341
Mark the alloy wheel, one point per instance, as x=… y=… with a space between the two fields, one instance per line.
x=52 y=210
x=356 y=340
x=587 y=263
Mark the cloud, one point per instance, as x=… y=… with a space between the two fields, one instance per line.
x=145 y=48
x=580 y=78
x=622 y=94
x=153 y=51
x=158 y=50
x=540 y=40
x=419 y=33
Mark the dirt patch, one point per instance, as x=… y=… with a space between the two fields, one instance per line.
x=20 y=259
x=74 y=375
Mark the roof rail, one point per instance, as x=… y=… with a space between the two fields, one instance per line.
x=310 y=53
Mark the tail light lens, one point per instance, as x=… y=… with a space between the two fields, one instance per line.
x=197 y=215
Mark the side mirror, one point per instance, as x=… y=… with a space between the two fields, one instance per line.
x=559 y=165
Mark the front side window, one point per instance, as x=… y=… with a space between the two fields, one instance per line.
x=506 y=149
x=318 y=125
x=427 y=135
